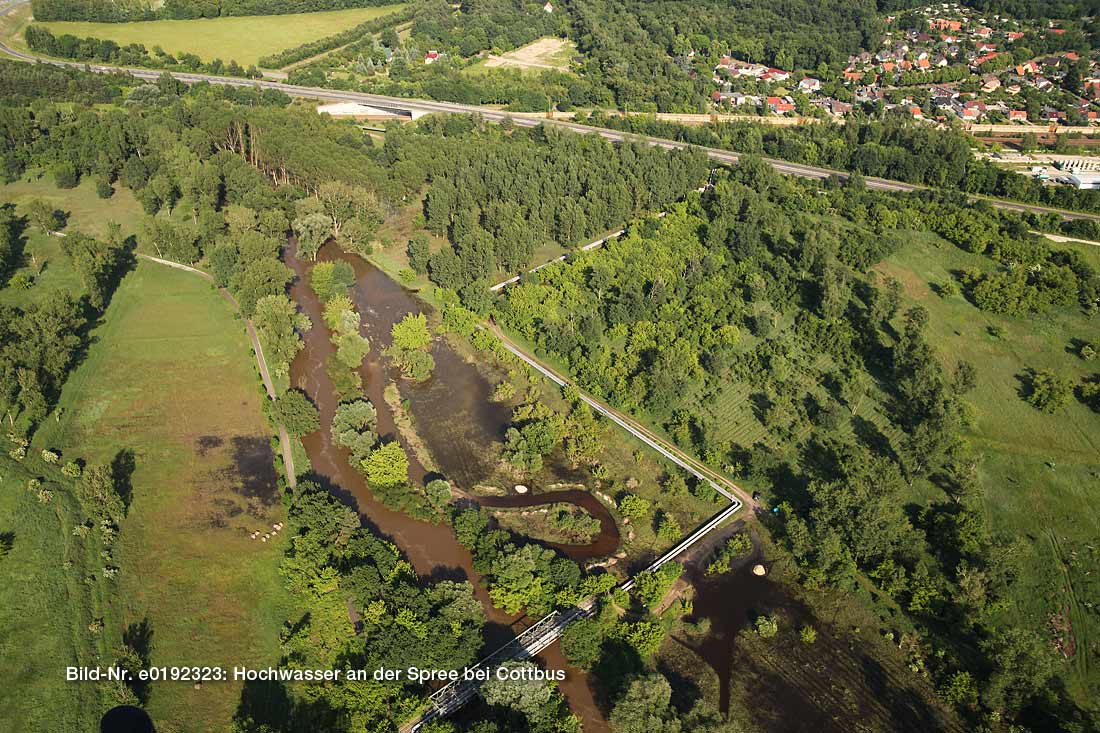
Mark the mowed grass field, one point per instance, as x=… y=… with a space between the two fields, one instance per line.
x=242 y=39
x=170 y=378
x=1041 y=472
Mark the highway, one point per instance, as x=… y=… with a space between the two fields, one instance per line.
x=403 y=106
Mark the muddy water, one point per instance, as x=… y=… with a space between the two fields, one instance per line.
x=457 y=421
x=835 y=685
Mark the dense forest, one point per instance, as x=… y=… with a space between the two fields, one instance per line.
x=121 y=11
x=757 y=282
x=498 y=201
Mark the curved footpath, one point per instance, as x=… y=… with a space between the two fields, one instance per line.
x=261 y=362
x=401 y=104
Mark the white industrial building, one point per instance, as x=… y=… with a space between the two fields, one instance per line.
x=1082 y=179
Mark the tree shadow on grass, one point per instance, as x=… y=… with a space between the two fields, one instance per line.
x=7 y=541
x=138 y=637
x=122 y=471
x=266 y=706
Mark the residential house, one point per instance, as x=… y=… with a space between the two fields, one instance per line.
x=983 y=59
x=1017 y=115
x=834 y=107
x=971 y=110
x=780 y=105
x=809 y=85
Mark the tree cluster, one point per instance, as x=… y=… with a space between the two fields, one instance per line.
x=123 y=11
x=334 y=564
x=893 y=147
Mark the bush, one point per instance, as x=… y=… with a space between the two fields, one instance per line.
x=65 y=175
x=668 y=528
x=808 y=634
x=634 y=506
x=767 y=626
x=1046 y=391
x=103 y=188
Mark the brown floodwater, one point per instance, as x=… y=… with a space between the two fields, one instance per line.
x=457 y=422
x=834 y=685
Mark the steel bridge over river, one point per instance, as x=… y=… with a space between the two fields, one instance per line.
x=545 y=632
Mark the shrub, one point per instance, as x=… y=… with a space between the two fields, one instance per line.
x=767 y=626
x=634 y=506
x=65 y=175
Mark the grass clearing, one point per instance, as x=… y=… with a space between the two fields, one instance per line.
x=171 y=378
x=1041 y=472
x=86 y=212
x=242 y=39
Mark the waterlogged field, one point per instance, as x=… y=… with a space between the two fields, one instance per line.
x=242 y=39
x=169 y=387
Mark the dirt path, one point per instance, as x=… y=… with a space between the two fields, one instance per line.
x=261 y=361
x=1063 y=239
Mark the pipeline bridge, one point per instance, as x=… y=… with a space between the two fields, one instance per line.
x=545 y=632
x=548 y=629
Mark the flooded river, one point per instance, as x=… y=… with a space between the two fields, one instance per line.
x=457 y=421
x=459 y=425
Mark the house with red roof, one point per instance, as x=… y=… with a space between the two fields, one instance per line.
x=780 y=105
x=983 y=59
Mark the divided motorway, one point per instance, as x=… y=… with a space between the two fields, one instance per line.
x=400 y=105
